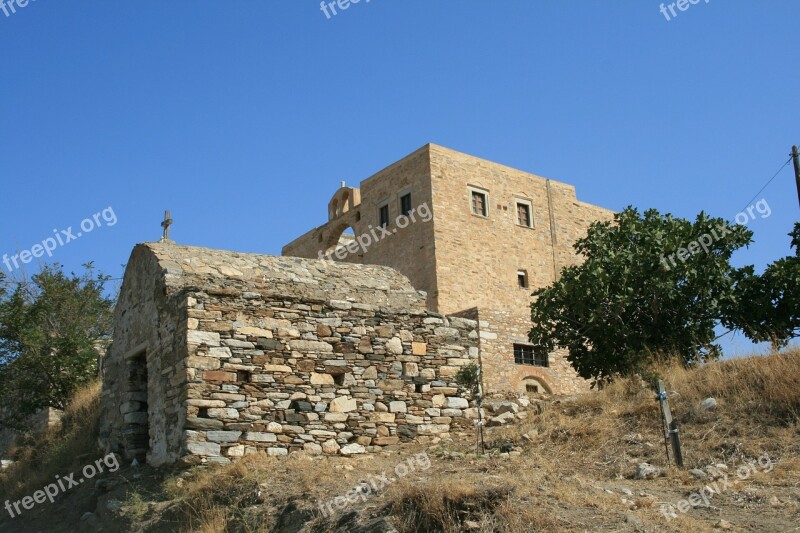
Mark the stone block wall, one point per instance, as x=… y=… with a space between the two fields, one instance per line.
x=499 y=330
x=142 y=400
x=410 y=249
x=219 y=354
x=282 y=375
x=477 y=258
x=463 y=260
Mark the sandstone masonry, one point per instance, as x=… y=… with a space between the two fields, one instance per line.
x=496 y=234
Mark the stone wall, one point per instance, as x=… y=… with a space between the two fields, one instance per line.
x=463 y=260
x=409 y=250
x=283 y=375
x=218 y=354
x=477 y=258
x=35 y=424
x=499 y=331
x=144 y=421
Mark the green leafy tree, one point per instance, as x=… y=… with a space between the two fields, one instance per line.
x=651 y=286
x=768 y=305
x=469 y=378
x=50 y=331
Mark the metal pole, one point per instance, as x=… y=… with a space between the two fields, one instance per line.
x=670 y=424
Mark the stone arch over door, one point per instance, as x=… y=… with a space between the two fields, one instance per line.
x=337 y=236
x=534 y=385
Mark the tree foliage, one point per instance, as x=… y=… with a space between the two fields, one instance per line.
x=768 y=305
x=50 y=328
x=469 y=377
x=632 y=300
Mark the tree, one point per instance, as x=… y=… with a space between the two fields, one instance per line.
x=651 y=285
x=50 y=328
x=768 y=306
x=469 y=377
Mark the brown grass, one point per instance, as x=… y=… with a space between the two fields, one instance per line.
x=60 y=450
x=573 y=449
x=572 y=453
x=602 y=435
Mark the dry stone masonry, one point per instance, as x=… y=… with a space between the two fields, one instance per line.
x=218 y=355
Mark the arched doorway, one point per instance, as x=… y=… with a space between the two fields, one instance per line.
x=338 y=238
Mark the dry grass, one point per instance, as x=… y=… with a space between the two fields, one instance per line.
x=602 y=436
x=573 y=453
x=760 y=387
x=60 y=450
x=212 y=499
x=574 y=449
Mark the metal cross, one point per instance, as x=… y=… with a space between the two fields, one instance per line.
x=166 y=224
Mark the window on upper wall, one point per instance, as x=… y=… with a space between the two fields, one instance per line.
x=524 y=214
x=383 y=215
x=405 y=204
x=522 y=279
x=479 y=202
x=526 y=354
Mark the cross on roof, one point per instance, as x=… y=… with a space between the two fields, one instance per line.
x=166 y=224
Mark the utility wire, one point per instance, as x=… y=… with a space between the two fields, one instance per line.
x=767 y=184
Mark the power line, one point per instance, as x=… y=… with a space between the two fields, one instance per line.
x=767 y=184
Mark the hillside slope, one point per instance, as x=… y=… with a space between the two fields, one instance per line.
x=571 y=467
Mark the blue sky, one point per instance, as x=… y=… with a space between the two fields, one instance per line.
x=241 y=117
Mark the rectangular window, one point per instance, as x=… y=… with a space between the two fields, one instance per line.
x=405 y=204
x=383 y=215
x=522 y=279
x=525 y=354
x=479 y=203
x=524 y=214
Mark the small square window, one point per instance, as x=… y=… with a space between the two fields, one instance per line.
x=479 y=203
x=405 y=204
x=383 y=215
x=524 y=214
x=525 y=354
x=522 y=279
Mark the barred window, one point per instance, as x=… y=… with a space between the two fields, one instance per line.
x=526 y=354
x=479 y=203
x=524 y=215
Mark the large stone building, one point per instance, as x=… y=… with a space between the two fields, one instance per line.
x=477 y=237
x=219 y=354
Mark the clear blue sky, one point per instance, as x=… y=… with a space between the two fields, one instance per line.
x=242 y=116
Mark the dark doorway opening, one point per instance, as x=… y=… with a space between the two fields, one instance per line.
x=134 y=410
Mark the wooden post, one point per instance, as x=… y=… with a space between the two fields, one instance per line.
x=796 y=159
x=670 y=426
x=481 y=443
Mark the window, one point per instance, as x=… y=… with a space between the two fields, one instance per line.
x=405 y=204
x=525 y=354
x=524 y=217
x=480 y=203
x=383 y=215
x=522 y=279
